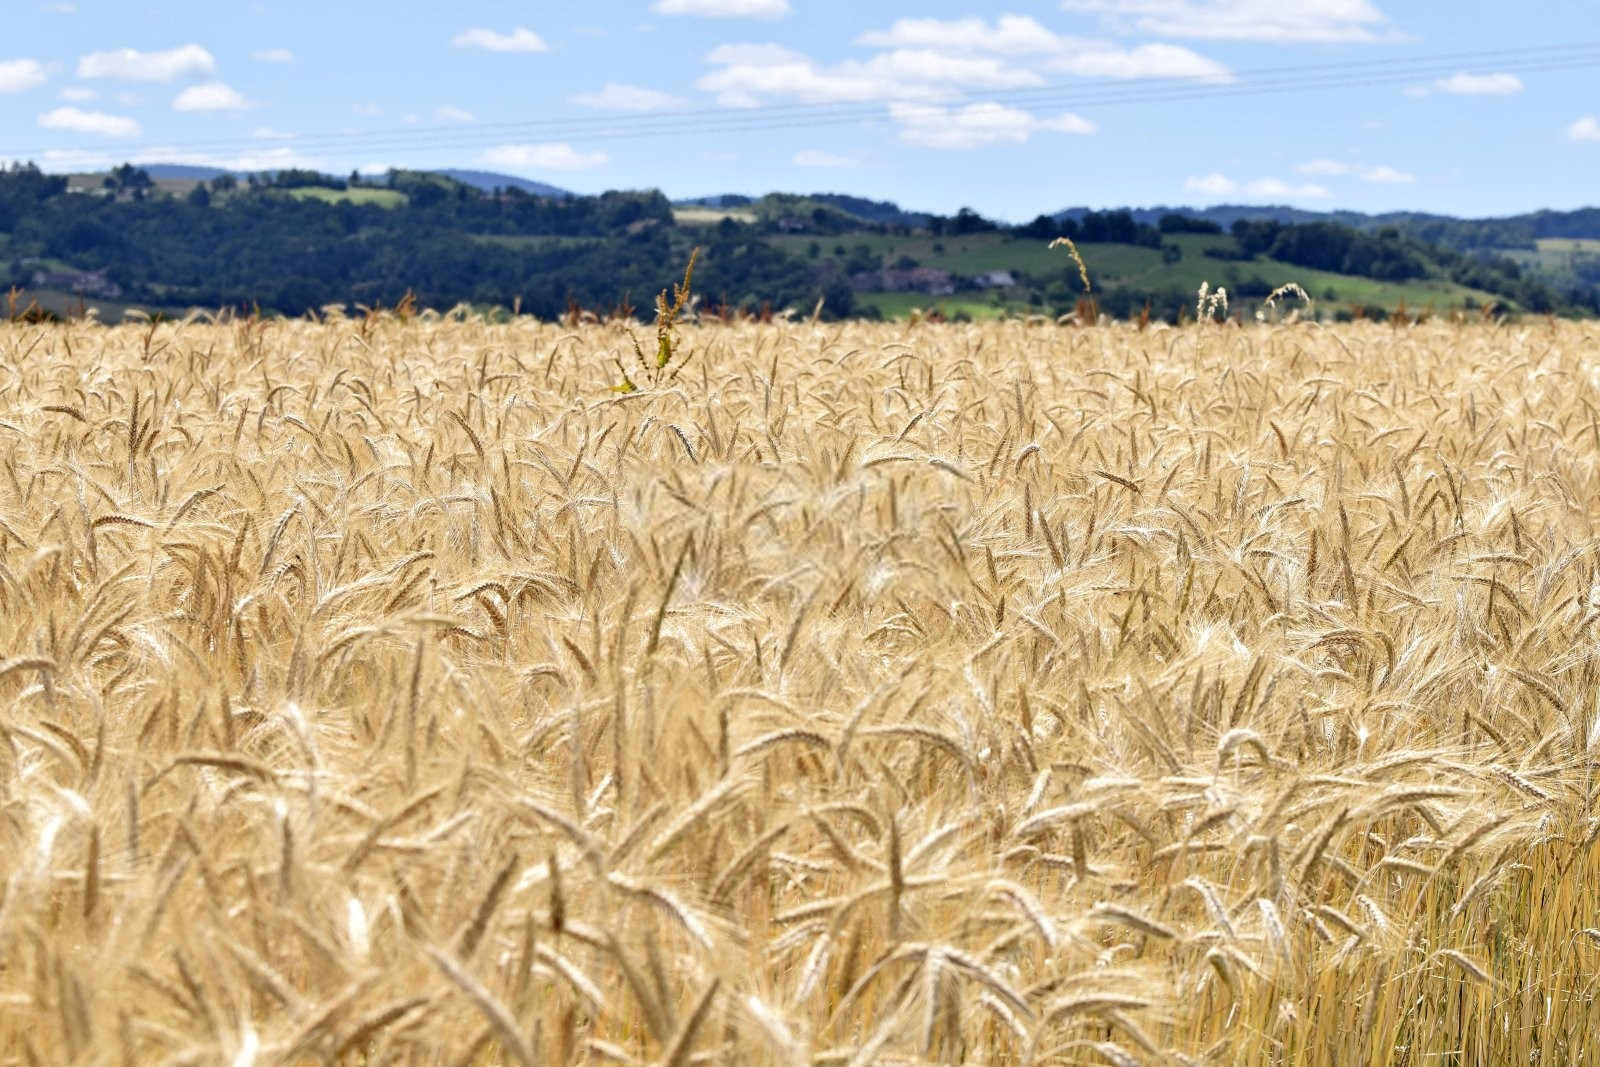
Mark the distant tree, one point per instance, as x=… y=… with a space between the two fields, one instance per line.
x=969 y=221
x=1042 y=228
x=129 y=178
x=1175 y=223
x=198 y=195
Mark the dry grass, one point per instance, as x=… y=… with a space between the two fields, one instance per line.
x=391 y=692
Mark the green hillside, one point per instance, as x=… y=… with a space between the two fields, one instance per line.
x=300 y=240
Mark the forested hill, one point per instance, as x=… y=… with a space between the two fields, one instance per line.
x=297 y=240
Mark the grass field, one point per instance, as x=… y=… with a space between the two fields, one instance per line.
x=1587 y=245
x=392 y=691
x=901 y=305
x=357 y=195
x=707 y=216
x=1130 y=265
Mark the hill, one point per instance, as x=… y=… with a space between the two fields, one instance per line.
x=297 y=239
x=488 y=181
x=484 y=180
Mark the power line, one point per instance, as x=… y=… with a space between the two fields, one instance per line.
x=703 y=121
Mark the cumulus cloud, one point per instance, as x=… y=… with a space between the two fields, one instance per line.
x=619 y=97
x=555 y=155
x=1010 y=35
x=1324 y=168
x=273 y=55
x=1304 y=21
x=76 y=120
x=1585 y=129
x=928 y=59
x=977 y=125
x=1381 y=174
x=1216 y=186
x=1386 y=175
x=1023 y=36
x=1465 y=84
x=1145 y=61
x=724 y=9
x=19 y=75
x=126 y=64
x=816 y=157
x=78 y=94
x=749 y=75
x=282 y=157
x=66 y=160
x=211 y=96
x=520 y=39
x=453 y=114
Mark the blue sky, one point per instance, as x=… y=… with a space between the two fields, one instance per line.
x=1012 y=109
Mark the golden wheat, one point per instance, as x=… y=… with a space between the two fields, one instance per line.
x=390 y=690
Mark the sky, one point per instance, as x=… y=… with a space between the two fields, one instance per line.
x=1461 y=107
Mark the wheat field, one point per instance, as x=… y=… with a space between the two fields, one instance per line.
x=392 y=691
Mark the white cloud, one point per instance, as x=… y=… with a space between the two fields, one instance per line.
x=977 y=125
x=749 y=75
x=1585 y=129
x=1324 y=168
x=97 y=122
x=1304 y=21
x=1211 y=185
x=816 y=157
x=619 y=97
x=555 y=155
x=367 y=110
x=453 y=114
x=125 y=64
x=1382 y=174
x=1216 y=186
x=18 y=75
x=928 y=61
x=267 y=133
x=1020 y=35
x=1010 y=35
x=273 y=55
x=723 y=9
x=1145 y=61
x=520 y=39
x=927 y=67
x=263 y=158
x=212 y=96
x=77 y=94
x=61 y=9
x=1387 y=175
x=1465 y=84
x=65 y=160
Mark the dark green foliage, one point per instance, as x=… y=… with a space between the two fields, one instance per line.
x=1175 y=223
